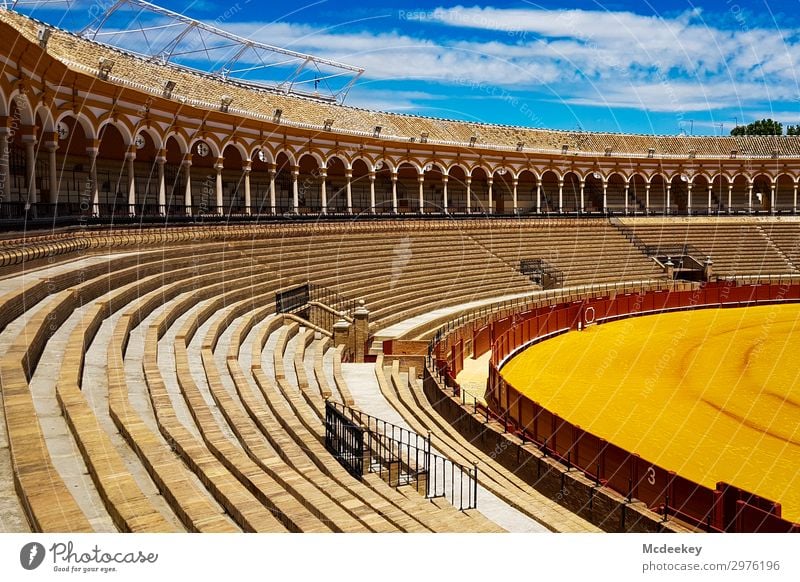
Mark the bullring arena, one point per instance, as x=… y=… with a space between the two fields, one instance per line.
x=225 y=308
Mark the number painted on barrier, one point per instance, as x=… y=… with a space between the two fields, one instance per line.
x=651 y=475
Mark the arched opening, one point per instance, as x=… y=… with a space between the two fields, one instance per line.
x=457 y=190
x=174 y=178
x=762 y=194
x=701 y=201
x=407 y=189
x=502 y=192
x=637 y=194
x=309 y=186
x=479 y=191
x=571 y=195
x=658 y=195
x=204 y=179
x=147 y=175
x=284 y=195
x=112 y=176
x=74 y=181
x=592 y=192
x=383 y=188
x=526 y=192
x=549 y=192
x=615 y=193
x=678 y=194
x=360 y=187
x=260 y=203
x=739 y=194
x=433 y=189
x=337 y=185
x=785 y=194
x=232 y=180
x=719 y=193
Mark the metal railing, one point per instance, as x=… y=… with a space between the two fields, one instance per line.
x=364 y=443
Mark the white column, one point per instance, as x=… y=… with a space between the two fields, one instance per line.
x=421 y=181
x=469 y=193
x=187 y=194
x=130 y=157
x=514 y=184
x=667 y=209
x=372 y=208
x=295 y=191
x=92 y=153
x=730 y=195
x=538 y=196
x=794 y=199
x=348 y=174
x=394 y=192
x=772 y=198
x=583 y=190
x=627 y=193
x=30 y=159
x=53 y=167
x=689 y=198
x=710 y=188
x=444 y=192
x=561 y=196
x=490 y=210
x=323 y=190
x=248 y=199
x=162 y=185
x=647 y=198
x=272 y=195
x=750 y=196
x=218 y=186
x=605 y=195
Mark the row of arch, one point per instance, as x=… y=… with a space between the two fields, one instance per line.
x=83 y=165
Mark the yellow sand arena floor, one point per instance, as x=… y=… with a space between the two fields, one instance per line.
x=713 y=395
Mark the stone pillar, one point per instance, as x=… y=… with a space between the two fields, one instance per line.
x=295 y=189
x=708 y=269
x=219 y=166
x=560 y=196
x=394 y=192
x=627 y=193
x=647 y=198
x=794 y=199
x=772 y=198
x=750 y=197
x=514 y=185
x=490 y=210
x=323 y=190
x=55 y=187
x=710 y=188
x=605 y=195
x=5 y=172
x=667 y=205
x=341 y=333
x=421 y=181
x=161 y=160
x=670 y=268
x=187 y=194
x=469 y=193
x=248 y=198
x=444 y=192
x=372 y=208
x=30 y=167
x=730 y=195
x=348 y=174
x=272 y=195
x=92 y=153
x=130 y=157
x=361 y=324
x=689 y=198
x=538 y=196
x=583 y=189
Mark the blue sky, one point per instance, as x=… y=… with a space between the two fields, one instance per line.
x=627 y=66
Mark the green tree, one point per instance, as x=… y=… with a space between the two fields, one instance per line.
x=760 y=127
